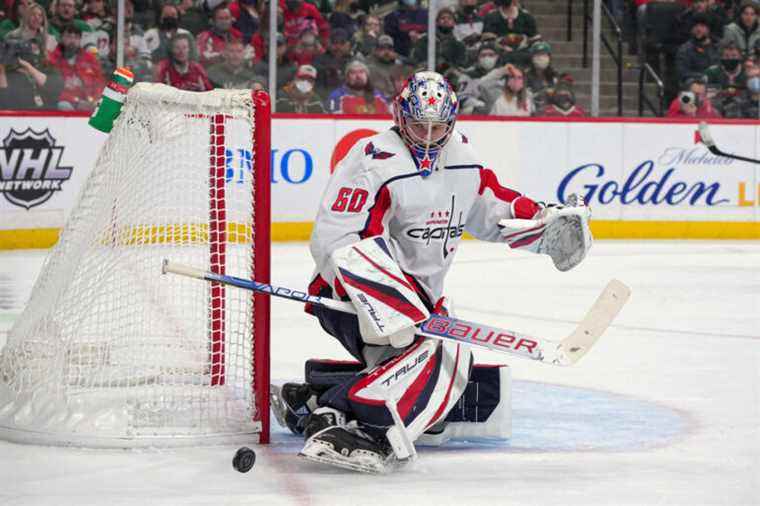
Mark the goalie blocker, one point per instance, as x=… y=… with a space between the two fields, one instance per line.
x=483 y=411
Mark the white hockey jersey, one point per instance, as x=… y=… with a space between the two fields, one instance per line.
x=378 y=190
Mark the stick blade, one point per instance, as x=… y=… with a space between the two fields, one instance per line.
x=596 y=321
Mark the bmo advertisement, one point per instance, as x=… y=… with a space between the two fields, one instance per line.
x=642 y=179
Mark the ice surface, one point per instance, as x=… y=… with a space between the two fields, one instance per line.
x=664 y=410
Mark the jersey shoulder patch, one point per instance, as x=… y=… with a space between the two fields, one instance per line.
x=376 y=153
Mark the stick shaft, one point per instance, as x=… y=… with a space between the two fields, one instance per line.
x=446 y=328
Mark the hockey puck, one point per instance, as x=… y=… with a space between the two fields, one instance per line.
x=244 y=459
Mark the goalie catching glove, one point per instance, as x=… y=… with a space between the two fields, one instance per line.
x=560 y=231
x=387 y=306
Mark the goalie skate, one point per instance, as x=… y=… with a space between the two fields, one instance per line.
x=329 y=440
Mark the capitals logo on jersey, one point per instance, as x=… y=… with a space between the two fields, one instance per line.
x=439 y=226
x=376 y=154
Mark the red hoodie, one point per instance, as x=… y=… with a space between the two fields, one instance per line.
x=83 y=79
x=307 y=17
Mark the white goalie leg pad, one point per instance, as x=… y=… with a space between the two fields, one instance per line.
x=497 y=425
x=387 y=305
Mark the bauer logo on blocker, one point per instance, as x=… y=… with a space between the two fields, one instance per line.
x=30 y=167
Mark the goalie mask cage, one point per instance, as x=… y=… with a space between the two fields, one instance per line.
x=110 y=353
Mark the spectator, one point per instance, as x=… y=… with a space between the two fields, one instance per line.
x=299 y=95
x=714 y=15
x=749 y=102
x=381 y=64
x=307 y=48
x=692 y=102
x=192 y=16
x=341 y=18
x=365 y=40
x=699 y=53
x=136 y=57
x=247 y=18
x=449 y=52
x=300 y=17
x=406 y=25
x=400 y=74
x=179 y=70
x=729 y=74
x=15 y=12
x=357 y=95
x=80 y=69
x=515 y=50
x=516 y=99
x=157 y=39
x=286 y=68
x=102 y=24
x=660 y=36
x=34 y=27
x=331 y=64
x=744 y=32
x=510 y=18
x=33 y=84
x=541 y=76
x=211 y=43
x=562 y=103
x=469 y=25
x=487 y=58
x=66 y=14
x=232 y=72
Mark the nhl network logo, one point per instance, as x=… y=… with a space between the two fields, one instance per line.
x=30 y=170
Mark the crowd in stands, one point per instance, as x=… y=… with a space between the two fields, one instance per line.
x=353 y=56
x=706 y=51
x=333 y=56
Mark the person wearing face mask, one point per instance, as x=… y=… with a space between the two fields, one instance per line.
x=300 y=16
x=300 y=95
x=80 y=69
x=357 y=95
x=562 y=103
x=157 y=39
x=508 y=18
x=516 y=99
x=745 y=31
x=448 y=49
x=725 y=80
x=485 y=62
x=406 y=25
x=541 y=76
x=211 y=43
x=699 y=53
x=749 y=102
x=381 y=64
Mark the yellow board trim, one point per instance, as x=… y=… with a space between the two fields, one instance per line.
x=301 y=231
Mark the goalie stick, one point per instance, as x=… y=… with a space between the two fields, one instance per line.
x=703 y=135
x=563 y=353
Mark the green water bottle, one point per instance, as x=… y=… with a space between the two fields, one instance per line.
x=113 y=98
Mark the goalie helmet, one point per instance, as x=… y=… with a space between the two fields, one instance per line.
x=425 y=112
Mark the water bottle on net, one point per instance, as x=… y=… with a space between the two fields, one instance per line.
x=112 y=100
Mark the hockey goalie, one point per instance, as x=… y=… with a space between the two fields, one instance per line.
x=390 y=223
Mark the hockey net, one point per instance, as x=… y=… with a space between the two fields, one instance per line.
x=110 y=353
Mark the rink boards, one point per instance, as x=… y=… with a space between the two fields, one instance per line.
x=642 y=178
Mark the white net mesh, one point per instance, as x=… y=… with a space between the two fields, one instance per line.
x=109 y=352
